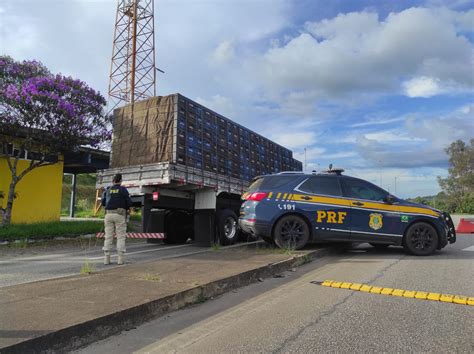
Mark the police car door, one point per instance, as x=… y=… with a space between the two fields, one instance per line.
x=372 y=219
x=320 y=199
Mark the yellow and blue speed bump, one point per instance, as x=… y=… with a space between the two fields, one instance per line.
x=412 y=294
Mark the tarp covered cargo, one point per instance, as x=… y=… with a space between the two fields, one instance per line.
x=178 y=130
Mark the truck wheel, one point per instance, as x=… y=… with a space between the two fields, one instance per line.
x=227 y=227
x=177 y=227
x=421 y=239
x=291 y=232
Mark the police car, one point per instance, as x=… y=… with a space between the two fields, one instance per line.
x=293 y=209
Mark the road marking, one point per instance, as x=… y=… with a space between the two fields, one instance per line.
x=471 y=248
x=146 y=251
x=412 y=294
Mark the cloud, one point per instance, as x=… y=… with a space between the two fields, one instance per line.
x=375 y=122
x=422 y=87
x=419 y=142
x=220 y=104
x=224 y=53
x=295 y=140
x=358 y=53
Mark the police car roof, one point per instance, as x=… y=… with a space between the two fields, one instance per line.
x=332 y=172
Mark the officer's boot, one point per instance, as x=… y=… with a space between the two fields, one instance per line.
x=106 y=258
x=121 y=258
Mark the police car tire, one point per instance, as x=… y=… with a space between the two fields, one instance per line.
x=223 y=217
x=413 y=235
x=304 y=230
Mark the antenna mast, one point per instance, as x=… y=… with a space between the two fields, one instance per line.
x=132 y=69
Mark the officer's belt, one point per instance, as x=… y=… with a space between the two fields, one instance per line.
x=119 y=211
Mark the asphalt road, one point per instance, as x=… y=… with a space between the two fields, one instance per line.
x=62 y=259
x=291 y=314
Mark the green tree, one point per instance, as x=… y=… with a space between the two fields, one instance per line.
x=458 y=186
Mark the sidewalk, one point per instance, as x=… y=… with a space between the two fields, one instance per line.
x=63 y=314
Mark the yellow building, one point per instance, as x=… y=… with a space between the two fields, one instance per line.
x=38 y=193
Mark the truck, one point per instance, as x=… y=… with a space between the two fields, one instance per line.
x=187 y=167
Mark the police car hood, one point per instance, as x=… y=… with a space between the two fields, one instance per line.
x=407 y=203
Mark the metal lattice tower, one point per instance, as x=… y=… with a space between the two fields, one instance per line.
x=132 y=70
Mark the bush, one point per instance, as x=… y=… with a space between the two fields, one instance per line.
x=50 y=230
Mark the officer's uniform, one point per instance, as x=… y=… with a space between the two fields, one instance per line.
x=117 y=202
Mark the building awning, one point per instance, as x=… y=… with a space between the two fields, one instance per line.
x=86 y=160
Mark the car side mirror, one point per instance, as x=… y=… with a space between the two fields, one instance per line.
x=389 y=199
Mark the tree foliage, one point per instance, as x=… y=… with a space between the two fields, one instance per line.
x=458 y=186
x=46 y=114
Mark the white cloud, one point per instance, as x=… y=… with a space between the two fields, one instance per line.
x=295 y=140
x=419 y=142
x=375 y=122
x=357 y=53
x=422 y=87
x=220 y=104
x=224 y=52
x=391 y=136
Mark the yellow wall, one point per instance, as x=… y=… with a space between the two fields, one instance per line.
x=39 y=192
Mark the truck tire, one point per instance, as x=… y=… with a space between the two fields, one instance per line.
x=421 y=239
x=227 y=227
x=291 y=232
x=178 y=227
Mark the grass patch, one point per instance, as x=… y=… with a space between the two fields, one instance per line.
x=87 y=268
x=201 y=298
x=216 y=247
x=151 y=277
x=49 y=230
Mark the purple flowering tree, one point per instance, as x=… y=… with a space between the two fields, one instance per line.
x=44 y=115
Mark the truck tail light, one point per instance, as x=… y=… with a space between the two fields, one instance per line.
x=257 y=196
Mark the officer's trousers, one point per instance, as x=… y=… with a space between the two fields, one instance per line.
x=115 y=224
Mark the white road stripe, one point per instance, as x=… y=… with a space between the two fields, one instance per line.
x=146 y=251
x=75 y=254
x=471 y=248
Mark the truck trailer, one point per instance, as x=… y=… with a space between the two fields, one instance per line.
x=187 y=167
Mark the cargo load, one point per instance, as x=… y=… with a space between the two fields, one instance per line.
x=178 y=130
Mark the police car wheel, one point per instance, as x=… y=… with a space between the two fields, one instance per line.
x=421 y=239
x=227 y=227
x=291 y=232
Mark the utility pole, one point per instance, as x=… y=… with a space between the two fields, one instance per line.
x=305 y=165
x=132 y=69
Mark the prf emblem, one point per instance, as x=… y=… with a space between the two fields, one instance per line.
x=375 y=221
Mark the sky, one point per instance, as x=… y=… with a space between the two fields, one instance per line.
x=379 y=88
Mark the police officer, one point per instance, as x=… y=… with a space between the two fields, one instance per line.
x=117 y=203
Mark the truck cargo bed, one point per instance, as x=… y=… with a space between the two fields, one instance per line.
x=139 y=179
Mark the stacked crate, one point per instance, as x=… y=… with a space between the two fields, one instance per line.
x=203 y=139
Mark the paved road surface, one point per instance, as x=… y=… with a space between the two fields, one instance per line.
x=291 y=314
x=63 y=259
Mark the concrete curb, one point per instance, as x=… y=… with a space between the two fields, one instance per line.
x=85 y=333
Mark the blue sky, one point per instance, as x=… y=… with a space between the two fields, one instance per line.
x=377 y=87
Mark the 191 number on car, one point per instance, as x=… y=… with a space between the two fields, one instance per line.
x=286 y=206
